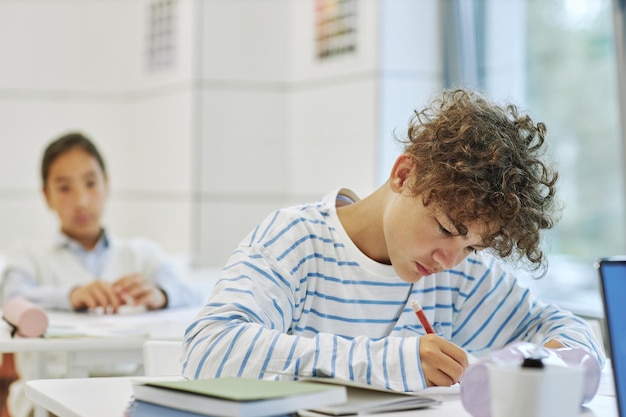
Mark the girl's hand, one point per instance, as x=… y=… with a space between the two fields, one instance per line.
x=94 y=295
x=138 y=290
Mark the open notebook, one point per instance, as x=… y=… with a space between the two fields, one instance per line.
x=613 y=285
x=366 y=399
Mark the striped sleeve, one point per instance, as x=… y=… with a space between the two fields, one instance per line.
x=246 y=330
x=496 y=311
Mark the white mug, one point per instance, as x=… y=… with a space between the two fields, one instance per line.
x=551 y=391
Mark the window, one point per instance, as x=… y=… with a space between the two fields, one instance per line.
x=556 y=59
x=572 y=84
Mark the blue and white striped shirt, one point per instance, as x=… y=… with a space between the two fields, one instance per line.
x=298 y=298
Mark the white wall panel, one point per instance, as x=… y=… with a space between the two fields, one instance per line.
x=154 y=152
x=399 y=97
x=505 y=56
x=244 y=141
x=97 y=45
x=410 y=36
x=25 y=217
x=411 y=70
x=162 y=218
x=226 y=223
x=245 y=39
x=334 y=136
x=66 y=44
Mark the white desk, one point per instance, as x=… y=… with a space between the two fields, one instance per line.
x=107 y=340
x=114 y=339
x=109 y=397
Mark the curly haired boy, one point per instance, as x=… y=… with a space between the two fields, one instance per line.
x=325 y=289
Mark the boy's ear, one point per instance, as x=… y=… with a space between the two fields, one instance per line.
x=401 y=172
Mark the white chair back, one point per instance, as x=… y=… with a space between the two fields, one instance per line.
x=162 y=358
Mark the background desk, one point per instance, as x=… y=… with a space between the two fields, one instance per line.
x=108 y=339
x=115 y=341
x=109 y=397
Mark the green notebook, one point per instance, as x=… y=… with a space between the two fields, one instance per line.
x=239 y=397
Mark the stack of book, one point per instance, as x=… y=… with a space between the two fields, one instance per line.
x=230 y=397
x=243 y=397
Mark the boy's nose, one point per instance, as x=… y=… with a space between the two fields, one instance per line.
x=448 y=258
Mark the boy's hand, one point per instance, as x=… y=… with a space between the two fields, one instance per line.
x=138 y=290
x=96 y=294
x=443 y=362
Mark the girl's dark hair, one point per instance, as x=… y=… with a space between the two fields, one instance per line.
x=65 y=143
x=478 y=161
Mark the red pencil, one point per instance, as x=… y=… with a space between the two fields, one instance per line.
x=419 y=312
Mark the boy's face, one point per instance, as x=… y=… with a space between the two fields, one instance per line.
x=76 y=189
x=422 y=240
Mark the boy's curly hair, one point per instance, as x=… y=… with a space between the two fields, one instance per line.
x=478 y=161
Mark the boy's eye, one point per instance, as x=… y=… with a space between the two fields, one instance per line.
x=444 y=230
x=64 y=189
